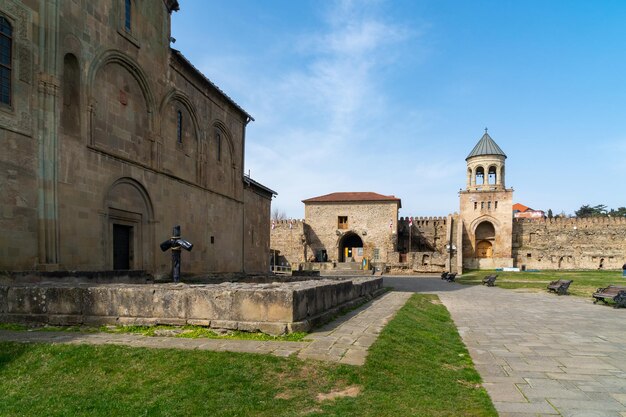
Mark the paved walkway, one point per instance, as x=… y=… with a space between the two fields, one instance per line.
x=345 y=340
x=538 y=354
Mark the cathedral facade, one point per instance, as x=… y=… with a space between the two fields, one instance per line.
x=110 y=138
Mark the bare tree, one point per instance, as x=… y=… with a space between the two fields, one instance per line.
x=278 y=214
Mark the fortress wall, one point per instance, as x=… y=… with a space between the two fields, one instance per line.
x=570 y=243
x=289 y=237
x=428 y=234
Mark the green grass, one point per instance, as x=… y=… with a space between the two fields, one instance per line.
x=194 y=332
x=12 y=326
x=417 y=367
x=585 y=282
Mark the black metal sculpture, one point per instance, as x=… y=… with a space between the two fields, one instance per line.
x=175 y=243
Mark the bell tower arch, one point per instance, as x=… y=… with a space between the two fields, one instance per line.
x=486 y=208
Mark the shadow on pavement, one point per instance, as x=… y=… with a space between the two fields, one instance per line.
x=420 y=284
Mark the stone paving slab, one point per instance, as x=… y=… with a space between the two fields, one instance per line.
x=562 y=355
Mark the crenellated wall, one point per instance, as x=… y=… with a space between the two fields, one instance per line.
x=428 y=234
x=289 y=237
x=570 y=243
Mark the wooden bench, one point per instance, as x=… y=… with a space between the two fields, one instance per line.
x=612 y=292
x=490 y=280
x=448 y=276
x=560 y=286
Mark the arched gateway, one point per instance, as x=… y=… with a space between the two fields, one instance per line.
x=350 y=248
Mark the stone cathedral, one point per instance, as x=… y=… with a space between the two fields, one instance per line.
x=110 y=138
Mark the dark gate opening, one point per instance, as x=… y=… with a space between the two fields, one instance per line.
x=122 y=239
x=351 y=248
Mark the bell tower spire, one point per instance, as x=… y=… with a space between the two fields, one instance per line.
x=485 y=166
x=486 y=208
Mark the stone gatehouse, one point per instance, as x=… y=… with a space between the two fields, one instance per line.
x=111 y=138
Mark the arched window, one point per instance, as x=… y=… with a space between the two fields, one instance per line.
x=491 y=176
x=218 y=145
x=179 y=126
x=6 y=43
x=480 y=176
x=127 y=14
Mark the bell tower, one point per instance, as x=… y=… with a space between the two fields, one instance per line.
x=486 y=208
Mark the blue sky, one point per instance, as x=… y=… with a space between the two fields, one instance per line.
x=390 y=96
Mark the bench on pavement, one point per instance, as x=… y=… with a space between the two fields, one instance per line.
x=490 y=280
x=560 y=286
x=448 y=276
x=612 y=292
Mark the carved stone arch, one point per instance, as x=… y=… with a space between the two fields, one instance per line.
x=140 y=190
x=348 y=245
x=479 y=172
x=177 y=95
x=492 y=170
x=71 y=44
x=121 y=108
x=127 y=227
x=182 y=148
x=474 y=224
x=229 y=140
x=114 y=56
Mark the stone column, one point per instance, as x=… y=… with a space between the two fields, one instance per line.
x=47 y=134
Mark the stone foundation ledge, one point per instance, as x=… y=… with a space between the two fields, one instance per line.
x=274 y=308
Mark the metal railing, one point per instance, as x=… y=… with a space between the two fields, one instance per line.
x=278 y=269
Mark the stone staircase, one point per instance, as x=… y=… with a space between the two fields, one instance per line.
x=346 y=269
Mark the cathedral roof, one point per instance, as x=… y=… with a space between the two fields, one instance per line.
x=352 y=197
x=486 y=146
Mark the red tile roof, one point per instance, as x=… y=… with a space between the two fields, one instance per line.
x=352 y=196
x=520 y=207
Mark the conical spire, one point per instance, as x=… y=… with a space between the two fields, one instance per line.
x=486 y=146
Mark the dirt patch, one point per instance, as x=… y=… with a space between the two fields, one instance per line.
x=468 y=384
x=283 y=396
x=452 y=367
x=352 y=391
x=437 y=302
x=308 y=411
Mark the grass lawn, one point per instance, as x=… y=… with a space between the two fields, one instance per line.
x=585 y=282
x=417 y=367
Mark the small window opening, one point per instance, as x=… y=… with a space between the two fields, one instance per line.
x=480 y=176
x=491 y=176
x=342 y=222
x=489 y=205
x=475 y=205
x=482 y=205
x=218 y=144
x=6 y=44
x=179 y=126
x=127 y=14
x=495 y=205
x=528 y=255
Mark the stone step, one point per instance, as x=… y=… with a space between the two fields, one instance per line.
x=353 y=266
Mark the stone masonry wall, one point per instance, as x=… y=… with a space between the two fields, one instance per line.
x=376 y=223
x=274 y=308
x=92 y=145
x=563 y=243
x=290 y=238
